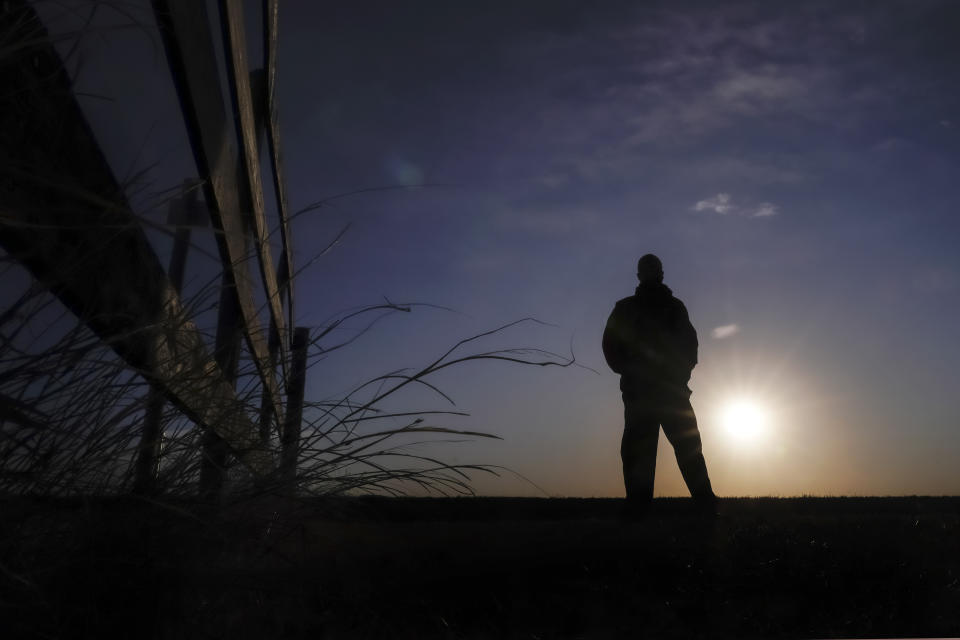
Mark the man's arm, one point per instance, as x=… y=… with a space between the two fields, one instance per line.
x=686 y=336
x=614 y=350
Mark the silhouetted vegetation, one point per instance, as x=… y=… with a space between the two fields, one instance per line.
x=98 y=342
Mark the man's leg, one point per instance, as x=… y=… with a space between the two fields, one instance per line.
x=638 y=450
x=680 y=427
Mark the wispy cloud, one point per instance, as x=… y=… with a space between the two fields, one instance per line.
x=722 y=203
x=725 y=331
x=763 y=210
x=680 y=80
x=719 y=203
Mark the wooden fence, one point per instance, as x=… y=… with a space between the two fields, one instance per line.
x=64 y=217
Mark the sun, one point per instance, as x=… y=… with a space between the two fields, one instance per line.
x=744 y=420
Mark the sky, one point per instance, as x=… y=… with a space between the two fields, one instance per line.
x=795 y=167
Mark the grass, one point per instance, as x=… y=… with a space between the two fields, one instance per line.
x=72 y=412
x=483 y=567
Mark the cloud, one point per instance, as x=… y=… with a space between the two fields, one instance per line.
x=677 y=85
x=725 y=331
x=720 y=203
x=763 y=210
x=751 y=91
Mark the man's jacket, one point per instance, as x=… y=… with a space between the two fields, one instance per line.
x=649 y=339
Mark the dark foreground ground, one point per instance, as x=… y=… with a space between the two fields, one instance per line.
x=481 y=568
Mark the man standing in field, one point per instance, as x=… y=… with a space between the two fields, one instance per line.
x=650 y=342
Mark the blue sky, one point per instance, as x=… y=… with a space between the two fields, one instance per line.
x=795 y=167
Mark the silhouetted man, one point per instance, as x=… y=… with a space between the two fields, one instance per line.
x=650 y=342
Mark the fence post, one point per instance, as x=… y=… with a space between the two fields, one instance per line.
x=185 y=30
x=230 y=327
x=267 y=414
x=148 y=451
x=182 y=215
x=61 y=196
x=290 y=438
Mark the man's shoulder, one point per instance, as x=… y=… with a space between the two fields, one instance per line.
x=624 y=305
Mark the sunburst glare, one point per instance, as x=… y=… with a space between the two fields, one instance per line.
x=744 y=420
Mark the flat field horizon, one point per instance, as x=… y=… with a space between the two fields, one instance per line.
x=481 y=567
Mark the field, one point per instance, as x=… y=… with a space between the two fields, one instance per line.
x=482 y=567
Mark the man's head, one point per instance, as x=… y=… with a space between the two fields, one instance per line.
x=650 y=269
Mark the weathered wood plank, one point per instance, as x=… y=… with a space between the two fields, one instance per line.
x=185 y=29
x=285 y=269
x=290 y=436
x=184 y=216
x=64 y=217
x=238 y=76
x=147 y=467
x=181 y=217
x=213 y=464
x=274 y=344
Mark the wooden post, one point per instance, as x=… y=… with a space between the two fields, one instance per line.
x=148 y=452
x=258 y=93
x=182 y=215
x=186 y=33
x=271 y=22
x=290 y=438
x=230 y=329
x=65 y=219
x=238 y=76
